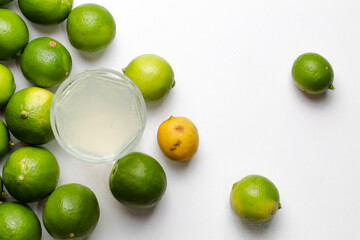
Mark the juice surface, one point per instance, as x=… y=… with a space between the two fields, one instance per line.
x=97 y=117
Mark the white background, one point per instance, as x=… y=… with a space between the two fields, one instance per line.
x=232 y=61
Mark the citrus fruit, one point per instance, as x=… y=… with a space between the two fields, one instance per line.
x=152 y=74
x=7 y=85
x=14 y=34
x=255 y=199
x=30 y=174
x=4 y=138
x=18 y=222
x=90 y=27
x=27 y=115
x=71 y=212
x=178 y=138
x=312 y=73
x=45 y=62
x=137 y=181
x=46 y=12
x=3 y=2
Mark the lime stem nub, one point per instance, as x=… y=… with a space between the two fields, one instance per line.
x=124 y=69
x=24 y=114
x=331 y=87
x=21 y=177
x=52 y=44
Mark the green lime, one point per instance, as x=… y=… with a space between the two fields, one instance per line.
x=90 y=27
x=152 y=74
x=71 y=212
x=46 y=12
x=4 y=138
x=3 y=2
x=18 y=222
x=14 y=34
x=312 y=73
x=255 y=199
x=27 y=115
x=45 y=62
x=7 y=85
x=137 y=181
x=30 y=174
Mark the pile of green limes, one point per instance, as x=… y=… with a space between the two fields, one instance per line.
x=31 y=173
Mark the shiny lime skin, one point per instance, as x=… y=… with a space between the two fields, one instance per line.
x=27 y=115
x=152 y=74
x=255 y=199
x=312 y=73
x=71 y=212
x=18 y=222
x=14 y=34
x=7 y=85
x=90 y=27
x=46 y=12
x=30 y=174
x=45 y=62
x=137 y=181
x=4 y=138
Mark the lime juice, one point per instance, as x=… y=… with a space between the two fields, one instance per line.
x=98 y=115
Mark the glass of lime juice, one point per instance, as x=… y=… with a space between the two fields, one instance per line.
x=98 y=115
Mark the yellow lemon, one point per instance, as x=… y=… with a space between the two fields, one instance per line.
x=178 y=138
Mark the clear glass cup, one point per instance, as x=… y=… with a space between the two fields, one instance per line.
x=98 y=115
